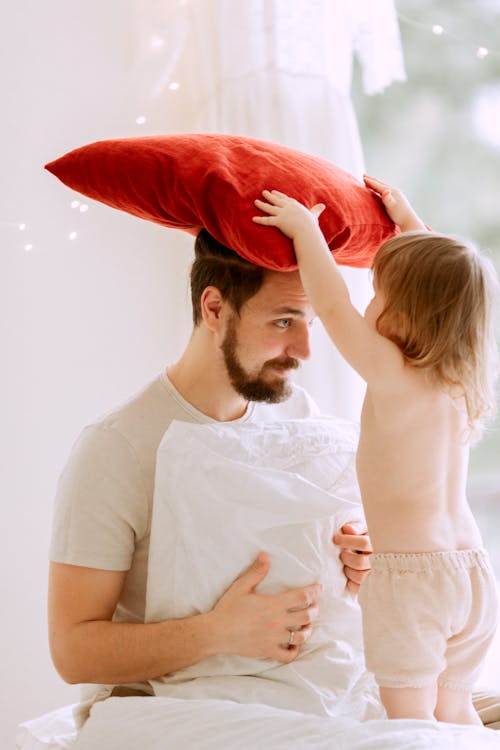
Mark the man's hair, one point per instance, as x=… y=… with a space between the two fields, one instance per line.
x=216 y=265
x=439 y=293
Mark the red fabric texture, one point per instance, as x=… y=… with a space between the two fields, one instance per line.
x=191 y=181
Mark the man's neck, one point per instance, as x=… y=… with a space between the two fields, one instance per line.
x=201 y=378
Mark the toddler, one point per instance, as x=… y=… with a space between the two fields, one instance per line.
x=426 y=349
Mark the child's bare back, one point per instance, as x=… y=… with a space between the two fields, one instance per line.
x=412 y=466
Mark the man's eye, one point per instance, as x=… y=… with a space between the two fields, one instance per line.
x=283 y=323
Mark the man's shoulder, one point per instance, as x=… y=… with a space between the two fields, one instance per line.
x=136 y=407
x=138 y=422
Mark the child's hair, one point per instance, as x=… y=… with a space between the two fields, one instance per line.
x=439 y=293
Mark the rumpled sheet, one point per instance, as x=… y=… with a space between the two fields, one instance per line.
x=172 y=724
x=169 y=724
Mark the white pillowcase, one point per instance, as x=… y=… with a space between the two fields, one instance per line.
x=223 y=492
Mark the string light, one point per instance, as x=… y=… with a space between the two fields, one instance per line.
x=21 y=227
x=75 y=204
x=480 y=51
x=72 y=235
x=156 y=42
x=84 y=208
x=174 y=86
x=140 y=120
x=28 y=247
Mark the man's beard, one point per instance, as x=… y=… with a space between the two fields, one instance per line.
x=255 y=388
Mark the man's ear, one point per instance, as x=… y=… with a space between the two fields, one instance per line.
x=212 y=305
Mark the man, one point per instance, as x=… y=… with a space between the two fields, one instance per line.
x=251 y=328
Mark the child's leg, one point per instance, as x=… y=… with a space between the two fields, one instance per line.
x=455 y=707
x=409 y=703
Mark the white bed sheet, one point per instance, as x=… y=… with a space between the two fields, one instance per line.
x=170 y=724
x=52 y=731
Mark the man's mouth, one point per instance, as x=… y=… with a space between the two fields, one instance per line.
x=282 y=368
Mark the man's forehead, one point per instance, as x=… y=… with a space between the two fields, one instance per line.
x=280 y=294
x=278 y=284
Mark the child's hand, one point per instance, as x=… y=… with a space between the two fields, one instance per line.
x=287 y=214
x=396 y=204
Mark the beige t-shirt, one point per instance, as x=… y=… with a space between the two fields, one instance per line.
x=104 y=498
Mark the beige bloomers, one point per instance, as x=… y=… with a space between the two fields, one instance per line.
x=428 y=616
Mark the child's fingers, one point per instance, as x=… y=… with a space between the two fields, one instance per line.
x=375 y=184
x=266 y=220
x=268 y=208
x=318 y=209
x=273 y=196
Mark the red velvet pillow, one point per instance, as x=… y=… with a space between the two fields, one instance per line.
x=193 y=181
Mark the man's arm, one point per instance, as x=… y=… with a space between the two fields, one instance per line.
x=87 y=646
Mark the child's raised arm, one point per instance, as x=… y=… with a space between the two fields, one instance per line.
x=367 y=351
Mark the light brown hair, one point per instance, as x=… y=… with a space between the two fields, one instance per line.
x=439 y=294
x=217 y=265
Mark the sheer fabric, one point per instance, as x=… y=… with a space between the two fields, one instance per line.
x=281 y=71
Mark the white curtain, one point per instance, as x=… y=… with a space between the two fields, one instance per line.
x=280 y=71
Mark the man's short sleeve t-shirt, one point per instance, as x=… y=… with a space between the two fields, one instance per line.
x=104 y=499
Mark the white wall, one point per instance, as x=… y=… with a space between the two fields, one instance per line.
x=83 y=322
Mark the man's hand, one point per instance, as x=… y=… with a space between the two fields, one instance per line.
x=273 y=626
x=355 y=554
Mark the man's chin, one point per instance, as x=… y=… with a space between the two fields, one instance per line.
x=270 y=392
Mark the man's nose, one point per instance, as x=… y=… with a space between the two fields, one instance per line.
x=300 y=346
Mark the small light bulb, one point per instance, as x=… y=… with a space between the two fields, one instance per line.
x=156 y=42
x=174 y=85
x=28 y=247
x=72 y=235
x=482 y=52
x=22 y=227
x=75 y=204
x=437 y=29
x=140 y=120
x=84 y=208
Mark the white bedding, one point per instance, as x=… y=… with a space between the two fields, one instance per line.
x=171 y=724
x=224 y=492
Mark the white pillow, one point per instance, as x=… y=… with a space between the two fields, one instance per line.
x=223 y=492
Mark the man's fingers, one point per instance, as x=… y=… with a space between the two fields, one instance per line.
x=302 y=618
x=293 y=637
x=356 y=528
x=355 y=561
x=299 y=599
x=355 y=576
x=353 y=587
x=356 y=543
x=257 y=571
